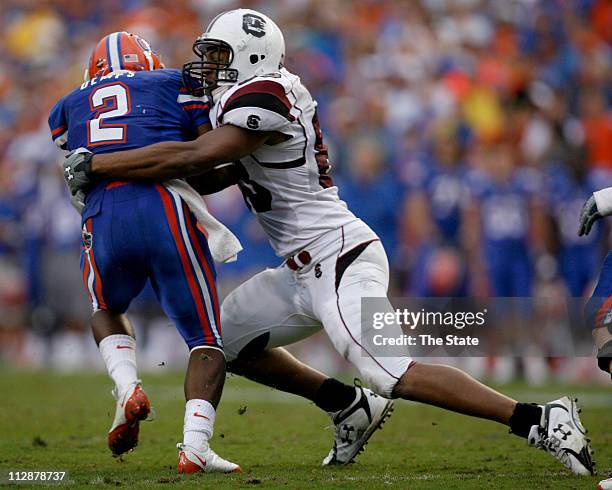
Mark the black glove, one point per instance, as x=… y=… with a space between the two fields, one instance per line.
x=588 y=216
x=77 y=170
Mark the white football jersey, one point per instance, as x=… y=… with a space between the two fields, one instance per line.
x=287 y=185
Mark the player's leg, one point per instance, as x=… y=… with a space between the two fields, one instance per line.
x=277 y=368
x=439 y=385
x=253 y=330
x=183 y=277
x=111 y=285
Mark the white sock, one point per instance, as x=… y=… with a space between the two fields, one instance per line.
x=199 y=423
x=119 y=354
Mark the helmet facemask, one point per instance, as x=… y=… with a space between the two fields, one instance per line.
x=213 y=68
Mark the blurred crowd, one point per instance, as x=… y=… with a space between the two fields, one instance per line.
x=467 y=133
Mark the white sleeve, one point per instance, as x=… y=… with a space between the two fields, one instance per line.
x=261 y=105
x=256 y=119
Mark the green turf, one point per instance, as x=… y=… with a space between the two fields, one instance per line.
x=49 y=421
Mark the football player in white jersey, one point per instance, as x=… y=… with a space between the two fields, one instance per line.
x=265 y=123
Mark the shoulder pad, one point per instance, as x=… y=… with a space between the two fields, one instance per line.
x=260 y=104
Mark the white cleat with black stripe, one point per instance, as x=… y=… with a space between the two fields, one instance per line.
x=562 y=434
x=356 y=424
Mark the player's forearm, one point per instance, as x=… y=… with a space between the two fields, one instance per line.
x=170 y=160
x=215 y=180
x=161 y=161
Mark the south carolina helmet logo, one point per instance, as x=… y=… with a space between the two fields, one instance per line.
x=254 y=24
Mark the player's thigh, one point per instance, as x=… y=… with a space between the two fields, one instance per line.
x=112 y=276
x=264 y=312
x=365 y=277
x=182 y=272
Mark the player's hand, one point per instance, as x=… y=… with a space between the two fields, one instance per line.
x=78 y=201
x=77 y=170
x=588 y=216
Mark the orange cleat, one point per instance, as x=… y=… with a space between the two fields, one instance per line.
x=132 y=407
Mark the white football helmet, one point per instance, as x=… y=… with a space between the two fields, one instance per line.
x=255 y=44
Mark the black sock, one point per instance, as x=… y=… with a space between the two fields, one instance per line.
x=334 y=395
x=524 y=416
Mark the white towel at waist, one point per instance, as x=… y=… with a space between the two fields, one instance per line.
x=223 y=244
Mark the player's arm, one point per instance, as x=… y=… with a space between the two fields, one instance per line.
x=162 y=161
x=597 y=206
x=215 y=180
x=170 y=160
x=204 y=128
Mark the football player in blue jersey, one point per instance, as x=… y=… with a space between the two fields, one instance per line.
x=506 y=210
x=566 y=189
x=599 y=307
x=134 y=232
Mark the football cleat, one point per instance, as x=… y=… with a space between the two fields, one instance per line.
x=132 y=407
x=356 y=424
x=193 y=461
x=562 y=434
x=605 y=484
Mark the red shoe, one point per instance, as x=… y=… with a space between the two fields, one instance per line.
x=132 y=407
x=207 y=461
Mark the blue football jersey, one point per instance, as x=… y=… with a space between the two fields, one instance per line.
x=447 y=192
x=504 y=206
x=126 y=110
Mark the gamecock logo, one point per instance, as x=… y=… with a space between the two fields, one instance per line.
x=253 y=121
x=254 y=24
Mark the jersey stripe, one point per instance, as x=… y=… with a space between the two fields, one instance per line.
x=282 y=165
x=56 y=131
x=182 y=98
x=194 y=106
x=261 y=87
x=260 y=100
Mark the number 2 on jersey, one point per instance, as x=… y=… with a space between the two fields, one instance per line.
x=106 y=102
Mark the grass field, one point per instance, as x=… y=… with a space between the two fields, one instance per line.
x=55 y=422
